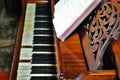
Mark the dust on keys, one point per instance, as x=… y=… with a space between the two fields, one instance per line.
x=37 y=54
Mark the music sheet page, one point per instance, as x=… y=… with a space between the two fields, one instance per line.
x=69 y=14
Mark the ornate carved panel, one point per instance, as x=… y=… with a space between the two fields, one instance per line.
x=103 y=26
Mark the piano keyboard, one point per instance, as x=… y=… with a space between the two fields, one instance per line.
x=37 y=54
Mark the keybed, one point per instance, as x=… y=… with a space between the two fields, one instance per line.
x=37 y=54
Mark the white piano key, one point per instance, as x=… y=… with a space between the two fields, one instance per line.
x=28 y=64
x=27 y=37
x=27 y=40
x=24 y=65
x=28 y=30
x=35 y=75
x=30 y=36
x=24 y=72
x=34 y=52
x=26 y=53
x=32 y=75
x=23 y=78
x=43 y=64
x=23 y=75
x=42 y=21
x=42 y=35
x=42 y=28
x=30 y=12
x=26 y=56
x=42 y=15
x=43 y=44
x=26 y=50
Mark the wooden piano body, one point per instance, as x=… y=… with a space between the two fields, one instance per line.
x=77 y=56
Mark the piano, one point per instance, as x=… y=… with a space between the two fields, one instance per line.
x=39 y=55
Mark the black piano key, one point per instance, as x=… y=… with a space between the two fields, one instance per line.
x=44 y=62
x=46 y=5
x=44 y=78
x=42 y=24
x=42 y=13
x=38 y=18
x=43 y=67
x=44 y=10
x=43 y=32
x=44 y=57
x=44 y=48
x=43 y=71
x=43 y=40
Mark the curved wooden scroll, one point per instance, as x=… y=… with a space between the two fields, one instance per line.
x=101 y=29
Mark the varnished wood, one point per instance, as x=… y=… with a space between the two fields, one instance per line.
x=16 y=55
x=98 y=75
x=94 y=74
x=102 y=26
x=116 y=49
x=70 y=57
x=99 y=31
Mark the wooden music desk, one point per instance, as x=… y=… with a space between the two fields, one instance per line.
x=92 y=51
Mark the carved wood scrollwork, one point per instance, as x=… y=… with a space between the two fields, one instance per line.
x=103 y=27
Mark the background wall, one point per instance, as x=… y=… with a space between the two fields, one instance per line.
x=8 y=29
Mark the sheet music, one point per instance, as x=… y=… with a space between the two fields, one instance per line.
x=69 y=14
